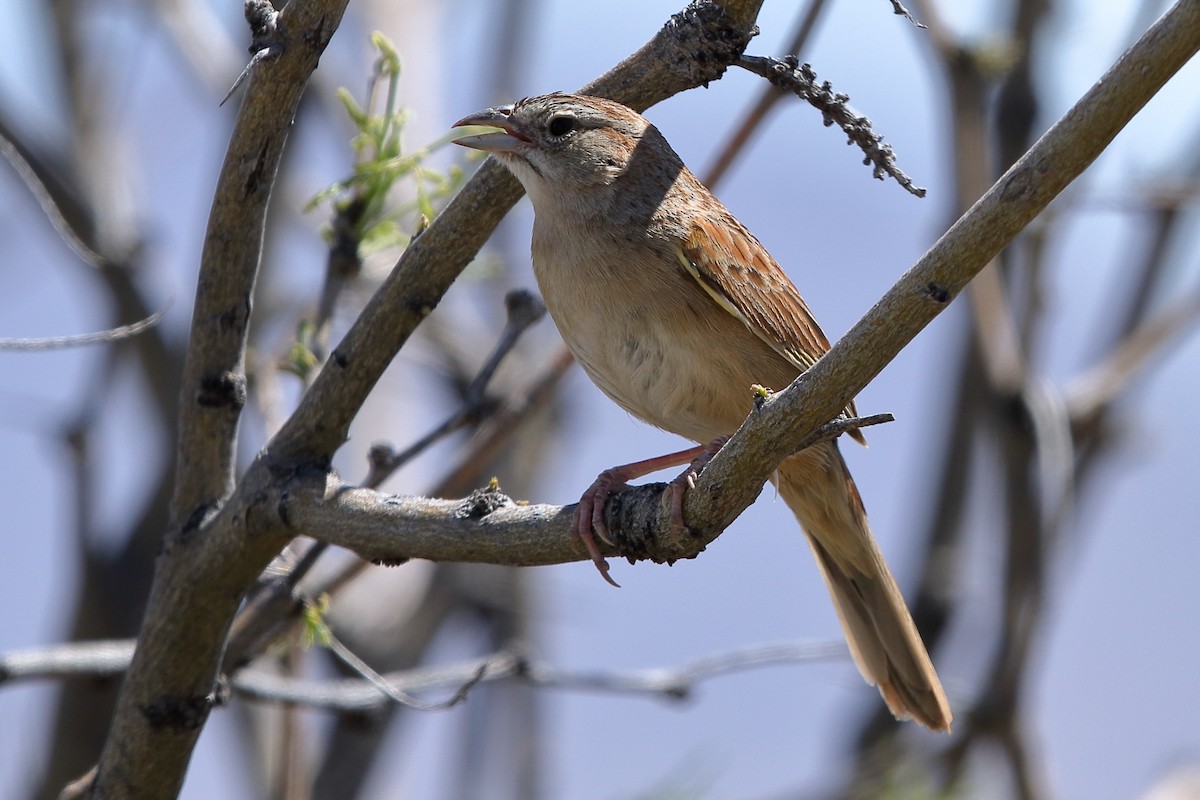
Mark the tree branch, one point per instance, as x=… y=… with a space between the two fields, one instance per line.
x=736 y=474
x=489 y=527
x=220 y=539
x=100 y=659
x=674 y=683
x=201 y=576
x=692 y=49
x=214 y=372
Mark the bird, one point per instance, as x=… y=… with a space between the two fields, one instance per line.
x=675 y=311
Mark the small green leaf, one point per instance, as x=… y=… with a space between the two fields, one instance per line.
x=300 y=359
x=316 y=630
x=380 y=167
x=389 y=57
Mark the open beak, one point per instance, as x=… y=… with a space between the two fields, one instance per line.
x=505 y=136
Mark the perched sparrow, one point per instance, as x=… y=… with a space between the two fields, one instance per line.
x=675 y=311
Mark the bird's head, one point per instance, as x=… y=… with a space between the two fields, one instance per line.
x=559 y=145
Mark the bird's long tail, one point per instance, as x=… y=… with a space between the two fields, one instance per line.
x=819 y=490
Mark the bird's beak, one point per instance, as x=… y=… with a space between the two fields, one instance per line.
x=505 y=135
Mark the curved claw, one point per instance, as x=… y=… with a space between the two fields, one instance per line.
x=589 y=542
x=589 y=520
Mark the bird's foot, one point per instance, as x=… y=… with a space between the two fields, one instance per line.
x=588 y=523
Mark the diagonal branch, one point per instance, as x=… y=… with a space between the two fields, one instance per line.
x=736 y=474
x=692 y=49
x=200 y=578
x=214 y=373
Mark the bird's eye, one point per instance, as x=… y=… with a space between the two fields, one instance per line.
x=561 y=126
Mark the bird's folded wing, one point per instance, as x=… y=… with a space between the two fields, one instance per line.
x=742 y=278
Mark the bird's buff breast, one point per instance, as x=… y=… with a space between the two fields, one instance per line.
x=648 y=337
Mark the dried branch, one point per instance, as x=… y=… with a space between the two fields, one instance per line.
x=768 y=98
x=800 y=79
x=100 y=659
x=674 y=683
x=97 y=337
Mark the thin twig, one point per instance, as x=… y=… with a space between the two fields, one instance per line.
x=97 y=337
x=263 y=20
x=523 y=308
x=499 y=430
x=37 y=187
x=74 y=660
x=800 y=79
x=674 y=683
x=768 y=98
x=347 y=656
x=100 y=659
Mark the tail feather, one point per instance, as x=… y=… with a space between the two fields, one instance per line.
x=883 y=640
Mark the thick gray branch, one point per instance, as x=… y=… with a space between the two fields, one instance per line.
x=489 y=527
x=203 y=572
x=214 y=373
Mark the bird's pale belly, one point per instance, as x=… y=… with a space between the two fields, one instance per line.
x=650 y=337
x=666 y=371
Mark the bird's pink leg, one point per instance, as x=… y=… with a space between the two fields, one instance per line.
x=589 y=515
x=687 y=479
